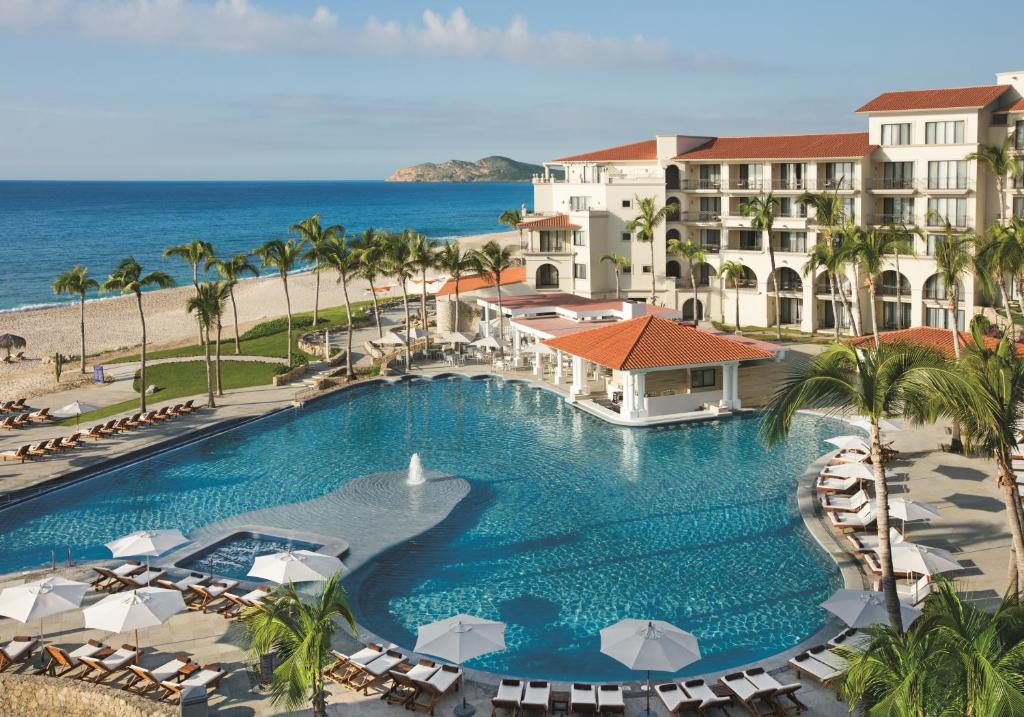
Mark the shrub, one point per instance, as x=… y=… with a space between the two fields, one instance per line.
x=276 y=326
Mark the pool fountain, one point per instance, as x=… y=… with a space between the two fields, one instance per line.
x=415 y=471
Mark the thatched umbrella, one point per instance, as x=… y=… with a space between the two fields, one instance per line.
x=10 y=342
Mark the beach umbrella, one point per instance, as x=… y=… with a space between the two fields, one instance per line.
x=488 y=342
x=40 y=599
x=864 y=423
x=922 y=559
x=460 y=638
x=391 y=338
x=455 y=337
x=75 y=409
x=649 y=645
x=295 y=566
x=11 y=342
x=863 y=608
x=417 y=332
x=853 y=470
x=907 y=510
x=134 y=610
x=845 y=443
x=146 y=542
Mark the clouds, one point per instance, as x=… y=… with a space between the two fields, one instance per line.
x=244 y=26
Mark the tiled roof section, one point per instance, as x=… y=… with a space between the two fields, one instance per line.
x=1017 y=106
x=925 y=336
x=652 y=342
x=944 y=99
x=637 y=151
x=558 y=221
x=515 y=275
x=796 y=146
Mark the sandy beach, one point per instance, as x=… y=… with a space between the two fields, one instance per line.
x=112 y=324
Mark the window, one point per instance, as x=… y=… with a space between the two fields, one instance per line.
x=579 y=271
x=702 y=378
x=751 y=176
x=949 y=132
x=789 y=207
x=898 y=175
x=1018 y=135
x=951 y=209
x=897 y=210
x=579 y=204
x=791 y=175
x=838 y=175
x=646 y=268
x=1018 y=180
x=626 y=236
x=1018 y=207
x=710 y=209
x=710 y=240
x=750 y=240
x=579 y=237
x=710 y=176
x=627 y=269
x=939 y=318
x=627 y=203
x=896 y=133
x=848 y=205
x=793 y=242
x=951 y=174
x=932 y=243
x=705 y=273
x=551 y=241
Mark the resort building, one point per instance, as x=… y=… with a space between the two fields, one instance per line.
x=909 y=166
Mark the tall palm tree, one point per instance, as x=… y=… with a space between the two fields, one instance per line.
x=77 y=282
x=694 y=255
x=734 y=271
x=843 y=258
x=193 y=253
x=491 y=260
x=369 y=250
x=953 y=259
x=455 y=262
x=761 y=210
x=423 y=254
x=870 y=248
x=619 y=264
x=128 y=278
x=283 y=256
x=829 y=216
x=1000 y=254
x=820 y=257
x=205 y=307
x=231 y=270
x=511 y=218
x=299 y=631
x=221 y=291
x=892 y=380
x=398 y=262
x=1001 y=163
x=644 y=226
x=344 y=260
x=315 y=238
x=905 y=234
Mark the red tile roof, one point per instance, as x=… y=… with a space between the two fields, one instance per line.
x=926 y=336
x=652 y=342
x=559 y=221
x=515 y=275
x=646 y=150
x=944 y=99
x=1017 y=106
x=798 y=146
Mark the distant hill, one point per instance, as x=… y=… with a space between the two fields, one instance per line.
x=488 y=169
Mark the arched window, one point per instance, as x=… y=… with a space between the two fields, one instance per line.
x=673 y=209
x=935 y=288
x=672 y=269
x=672 y=234
x=887 y=285
x=823 y=285
x=688 y=310
x=672 y=176
x=547 y=276
x=788 y=280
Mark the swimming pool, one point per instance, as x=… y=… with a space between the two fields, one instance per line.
x=571 y=523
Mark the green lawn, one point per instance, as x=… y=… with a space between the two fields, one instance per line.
x=183 y=379
x=768 y=333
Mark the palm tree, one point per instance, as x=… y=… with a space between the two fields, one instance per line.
x=398 y=262
x=829 y=216
x=734 y=271
x=299 y=632
x=232 y=270
x=843 y=257
x=644 y=226
x=194 y=253
x=315 y=238
x=283 y=256
x=370 y=253
x=344 y=260
x=761 y=210
x=205 y=306
x=423 y=254
x=693 y=254
x=870 y=248
x=953 y=259
x=1000 y=161
x=619 y=264
x=892 y=380
x=127 y=278
x=1000 y=254
x=452 y=260
x=906 y=235
x=821 y=256
x=77 y=282
x=490 y=260
x=511 y=218
x=221 y=291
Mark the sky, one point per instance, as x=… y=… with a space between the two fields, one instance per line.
x=338 y=89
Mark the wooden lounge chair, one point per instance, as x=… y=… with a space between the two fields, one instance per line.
x=188 y=406
x=43 y=414
x=62 y=663
x=209 y=677
x=72 y=441
x=762 y=680
x=103 y=667
x=510 y=695
x=17 y=651
x=162 y=414
x=371 y=675
x=844 y=503
x=148 y=418
x=108 y=428
x=7 y=406
x=21 y=454
x=851 y=639
x=134 y=421
x=8 y=423
x=19 y=405
x=861 y=520
x=402 y=688
x=185 y=585
x=23 y=420
x=700 y=690
x=142 y=579
x=536 y=698
x=582 y=699
x=121 y=425
x=39 y=449
x=345 y=664
x=108 y=575
x=431 y=691
x=95 y=433
x=805 y=665
x=675 y=700
x=176 y=411
x=20 y=356
x=759 y=701
x=210 y=594
x=143 y=680
x=54 y=446
x=258 y=597
x=610 y=700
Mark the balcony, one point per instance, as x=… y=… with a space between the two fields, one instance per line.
x=842 y=184
x=892 y=184
x=746 y=283
x=790 y=184
x=704 y=215
x=710 y=248
x=937 y=221
x=895 y=219
x=889 y=290
x=710 y=184
x=754 y=184
x=948 y=184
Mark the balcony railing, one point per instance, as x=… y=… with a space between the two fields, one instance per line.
x=937 y=220
x=833 y=184
x=736 y=246
x=710 y=248
x=891 y=291
x=756 y=184
x=896 y=218
x=785 y=184
x=746 y=283
x=894 y=183
x=711 y=183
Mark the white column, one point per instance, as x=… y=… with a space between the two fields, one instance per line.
x=726 y=387
x=515 y=343
x=485 y=329
x=627 y=409
x=735 y=401
x=640 y=380
x=558 y=368
x=579 y=376
x=537 y=358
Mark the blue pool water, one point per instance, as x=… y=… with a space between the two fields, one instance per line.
x=571 y=523
x=234 y=557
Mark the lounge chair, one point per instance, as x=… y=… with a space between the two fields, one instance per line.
x=18 y=650
x=536 y=698
x=95 y=433
x=698 y=689
x=162 y=414
x=582 y=699
x=762 y=680
x=676 y=701
x=402 y=687
x=236 y=603
x=109 y=428
x=62 y=663
x=442 y=683
x=807 y=665
x=209 y=677
x=39 y=449
x=188 y=406
x=851 y=639
x=860 y=520
x=134 y=421
x=143 y=680
x=210 y=594
x=845 y=503
x=185 y=584
x=833 y=484
x=23 y=420
x=176 y=411
x=108 y=577
x=109 y=665
x=142 y=579
x=910 y=593
x=43 y=414
x=54 y=445
x=371 y=675
x=345 y=664
x=8 y=423
x=20 y=356
x=610 y=700
x=757 y=700
x=7 y=406
x=19 y=405
x=510 y=695
x=21 y=454
x=121 y=425
x=72 y=441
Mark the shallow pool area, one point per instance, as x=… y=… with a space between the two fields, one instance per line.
x=233 y=556
x=570 y=523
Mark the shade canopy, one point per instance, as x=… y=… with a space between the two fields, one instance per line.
x=391 y=338
x=146 y=542
x=11 y=341
x=649 y=645
x=417 y=333
x=853 y=470
x=845 y=443
x=863 y=608
x=864 y=423
x=73 y=409
x=455 y=337
x=134 y=610
x=923 y=560
x=296 y=566
x=42 y=598
x=487 y=342
x=461 y=638
x=912 y=510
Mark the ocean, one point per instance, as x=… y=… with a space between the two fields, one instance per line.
x=48 y=227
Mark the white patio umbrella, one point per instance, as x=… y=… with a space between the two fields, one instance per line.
x=149 y=543
x=134 y=610
x=649 y=645
x=460 y=638
x=862 y=608
x=75 y=409
x=922 y=559
x=391 y=338
x=844 y=443
x=852 y=470
x=454 y=337
x=487 y=342
x=907 y=510
x=863 y=423
x=41 y=598
x=417 y=332
x=295 y=566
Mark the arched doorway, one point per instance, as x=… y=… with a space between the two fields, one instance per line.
x=547 y=276
x=672 y=176
x=672 y=234
x=673 y=269
x=688 y=310
x=788 y=280
x=672 y=204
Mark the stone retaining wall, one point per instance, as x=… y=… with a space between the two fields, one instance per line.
x=38 y=696
x=284 y=378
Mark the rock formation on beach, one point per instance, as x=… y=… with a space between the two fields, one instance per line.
x=488 y=169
